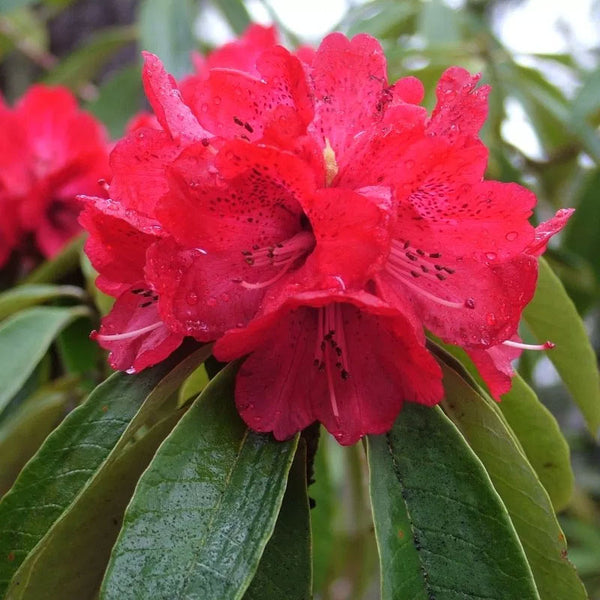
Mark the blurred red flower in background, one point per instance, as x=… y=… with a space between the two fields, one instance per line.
x=50 y=151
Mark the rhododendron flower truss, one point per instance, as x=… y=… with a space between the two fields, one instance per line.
x=301 y=209
x=50 y=151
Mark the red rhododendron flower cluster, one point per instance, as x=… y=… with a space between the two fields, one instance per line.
x=50 y=151
x=304 y=212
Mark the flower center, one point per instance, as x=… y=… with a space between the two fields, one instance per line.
x=282 y=255
x=330 y=350
x=416 y=268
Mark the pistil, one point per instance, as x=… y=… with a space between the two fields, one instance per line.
x=124 y=336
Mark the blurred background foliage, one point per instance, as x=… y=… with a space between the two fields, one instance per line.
x=542 y=131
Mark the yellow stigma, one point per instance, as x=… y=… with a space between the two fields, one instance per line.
x=331 y=168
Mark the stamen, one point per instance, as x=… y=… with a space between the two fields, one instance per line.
x=548 y=345
x=421 y=291
x=408 y=263
x=258 y=286
x=124 y=336
x=282 y=255
x=330 y=349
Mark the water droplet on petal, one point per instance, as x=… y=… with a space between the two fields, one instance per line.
x=409 y=164
x=211 y=302
x=490 y=318
x=192 y=298
x=130 y=371
x=491 y=256
x=204 y=107
x=217 y=100
x=511 y=236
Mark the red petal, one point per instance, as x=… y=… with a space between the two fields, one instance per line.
x=544 y=231
x=280 y=389
x=172 y=113
x=242 y=54
x=200 y=294
x=495 y=366
x=461 y=108
x=349 y=78
x=488 y=299
x=138 y=163
x=352 y=232
x=116 y=245
x=133 y=312
x=257 y=204
x=233 y=104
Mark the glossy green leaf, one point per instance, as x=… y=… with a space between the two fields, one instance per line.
x=166 y=29
x=534 y=426
x=24 y=339
x=84 y=444
x=525 y=498
x=84 y=64
x=204 y=509
x=79 y=355
x=24 y=296
x=23 y=432
x=73 y=557
x=441 y=528
x=551 y=315
x=541 y=439
x=193 y=385
x=285 y=569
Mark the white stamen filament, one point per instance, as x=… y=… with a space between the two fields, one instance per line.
x=406 y=281
x=129 y=334
x=545 y=346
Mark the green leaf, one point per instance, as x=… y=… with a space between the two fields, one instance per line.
x=441 y=528
x=323 y=517
x=84 y=444
x=204 y=509
x=24 y=339
x=24 y=296
x=551 y=315
x=526 y=500
x=586 y=219
x=56 y=268
x=193 y=385
x=236 y=14
x=23 y=432
x=541 y=439
x=534 y=426
x=85 y=63
x=166 y=29
x=285 y=569
x=9 y=5
x=119 y=99
x=73 y=557
x=78 y=354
